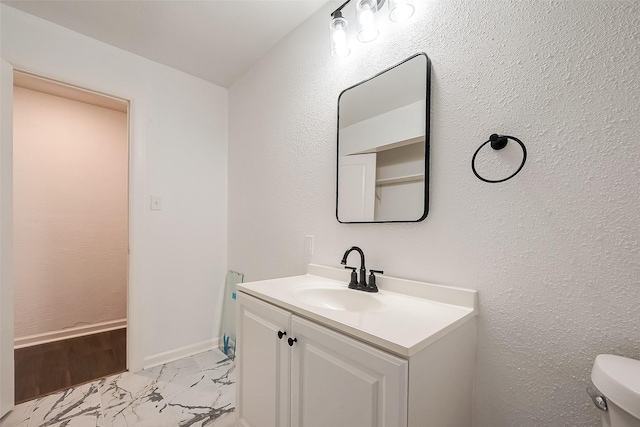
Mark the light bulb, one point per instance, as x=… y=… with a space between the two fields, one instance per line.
x=339 y=36
x=365 y=10
x=366 y=17
x=338 y=33
x=400 y=10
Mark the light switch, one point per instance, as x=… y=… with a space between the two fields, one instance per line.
x=308 y=244
x=156 y=203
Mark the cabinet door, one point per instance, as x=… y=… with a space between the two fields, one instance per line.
x=340 y=382
x=263 y=364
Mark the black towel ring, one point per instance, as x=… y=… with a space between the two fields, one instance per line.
x=498 y=142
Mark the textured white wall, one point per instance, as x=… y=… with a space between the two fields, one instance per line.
x=179 y=152
x=70 y=207
x=554 y=252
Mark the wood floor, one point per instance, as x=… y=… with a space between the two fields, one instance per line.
x=45 y=368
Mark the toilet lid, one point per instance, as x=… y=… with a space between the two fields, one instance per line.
x=618 y=378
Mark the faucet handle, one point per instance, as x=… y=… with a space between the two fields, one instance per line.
x=371 y=287
x=353 y=283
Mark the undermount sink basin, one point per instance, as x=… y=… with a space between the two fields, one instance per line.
x=339 y=299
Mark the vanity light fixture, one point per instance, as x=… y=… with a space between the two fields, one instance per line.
x=399 y=11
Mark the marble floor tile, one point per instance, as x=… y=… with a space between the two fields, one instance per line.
x=19 y=416
x=226 y=383
x=226 y=420
x=209 y=359
x=184 y=373
x=132 y=399
x=196 y=391
x=219 y=370
x=75 y=407
x=197 y=405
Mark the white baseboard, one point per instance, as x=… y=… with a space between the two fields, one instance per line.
x=179 y=353
x=78 y=331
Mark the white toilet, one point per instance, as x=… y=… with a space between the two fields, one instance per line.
x=617 y=393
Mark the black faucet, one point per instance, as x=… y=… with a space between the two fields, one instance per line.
x=362 y=283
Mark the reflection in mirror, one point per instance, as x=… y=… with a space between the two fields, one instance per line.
x=383 y=146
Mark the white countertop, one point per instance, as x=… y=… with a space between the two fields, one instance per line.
x=403 y=323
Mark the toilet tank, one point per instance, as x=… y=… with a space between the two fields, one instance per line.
x=618 y=379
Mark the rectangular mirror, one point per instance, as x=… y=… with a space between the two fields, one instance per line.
x=383 y=145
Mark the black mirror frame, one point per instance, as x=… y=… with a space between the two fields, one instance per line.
x=427 y=148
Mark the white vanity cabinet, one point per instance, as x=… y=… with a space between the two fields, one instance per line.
x=402 y=357
x=324 y=378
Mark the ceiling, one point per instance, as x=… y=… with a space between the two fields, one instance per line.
x=216 y=40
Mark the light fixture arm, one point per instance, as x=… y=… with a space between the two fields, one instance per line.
x=339 y=10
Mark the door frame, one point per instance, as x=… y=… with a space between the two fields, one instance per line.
x=136 y=118
x=7 y=396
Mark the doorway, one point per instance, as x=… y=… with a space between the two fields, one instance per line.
x=71 y=235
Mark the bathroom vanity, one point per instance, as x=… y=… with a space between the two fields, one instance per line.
x=312 y=353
